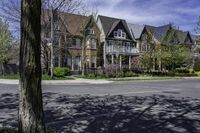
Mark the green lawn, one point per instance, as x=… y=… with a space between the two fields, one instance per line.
x=44 y=77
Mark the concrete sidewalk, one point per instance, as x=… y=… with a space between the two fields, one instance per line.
x=60 y=82
x=77 y=81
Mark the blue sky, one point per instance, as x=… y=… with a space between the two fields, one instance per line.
x=182 y=13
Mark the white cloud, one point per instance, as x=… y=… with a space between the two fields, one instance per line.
x=152 y=12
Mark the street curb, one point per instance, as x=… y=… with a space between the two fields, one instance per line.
x=59 y=82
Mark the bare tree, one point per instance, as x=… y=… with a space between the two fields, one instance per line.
x=30 y=106
x=10 y=10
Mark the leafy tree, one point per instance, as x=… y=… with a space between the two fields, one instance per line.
x=175 y=56
x=30 y=99
x=197 y=64
x=5 y=42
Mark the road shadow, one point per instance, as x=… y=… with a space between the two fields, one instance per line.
x=112 y=114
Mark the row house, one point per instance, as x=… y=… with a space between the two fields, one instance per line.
x=148 y=36
x=76 y=40
x=81 y=40
x=119 y=47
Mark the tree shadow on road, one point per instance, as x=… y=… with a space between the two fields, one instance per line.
x=111 y=114
x=120 y=114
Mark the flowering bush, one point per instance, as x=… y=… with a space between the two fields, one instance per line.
x=111 y=70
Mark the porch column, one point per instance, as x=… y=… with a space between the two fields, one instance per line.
x=120 y=61
x=72 y=64
x=90 y=62
x=129 y=63
x=60 y=52
x=112 y=59
x=104 y=54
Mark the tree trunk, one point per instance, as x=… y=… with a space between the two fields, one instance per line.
x=52 y=42
x=83 y=57
x=30 y=104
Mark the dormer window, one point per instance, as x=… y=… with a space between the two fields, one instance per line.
x=115 y=34
x=119 y=34
x=123 y=35
x=90 y=31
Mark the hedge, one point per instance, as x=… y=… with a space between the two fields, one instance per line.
x=61 y=71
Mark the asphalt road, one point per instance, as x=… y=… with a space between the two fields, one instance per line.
x=145 y=107
x=177 y=88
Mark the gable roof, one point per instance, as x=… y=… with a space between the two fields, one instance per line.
x=196 y=38
x=109 y=23
x=181 y=36
x=159 y=32
x=136 y=30
x=74 y=23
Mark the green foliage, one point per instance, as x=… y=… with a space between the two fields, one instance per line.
x=5 y=42
x=118 y=75
x=14 y=76
x=91 y=76
x=47 y=77
x=61 y=71
x=186 y=74
x=158 y=73
x=191 y=70
x=175 y=55
x=130 y=74
x=182 y=70
x=7 y=130
x=197 y=64
x=198 y=73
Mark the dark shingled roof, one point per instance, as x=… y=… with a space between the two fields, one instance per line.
x=181 y=36
x=109 y=23
x=159 y=32
x=136 y=30
x=196 y=38
x=73 y=22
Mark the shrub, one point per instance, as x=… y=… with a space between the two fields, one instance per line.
x=67 y=70
x=111 y=70
x=118 y=75
x=61 y=71
x=158 y=73
x=7 y=130
x=130 y=74
x=182 y=70
x=197 y=64
x=198 y=73
x=191 y=70
x=91 y=76
x=186 y=74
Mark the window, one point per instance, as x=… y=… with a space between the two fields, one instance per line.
x=93 y=62
x=88 y=43
x=123 y=35
x=93 y=45
x=69 y=41
x=119 y=34
x=56 y=26
x=78 y=43
x=78 y=63
x=90 y=31
x=69 y=61
x=115 y=34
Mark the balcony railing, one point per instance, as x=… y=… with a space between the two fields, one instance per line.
x=125 y=50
